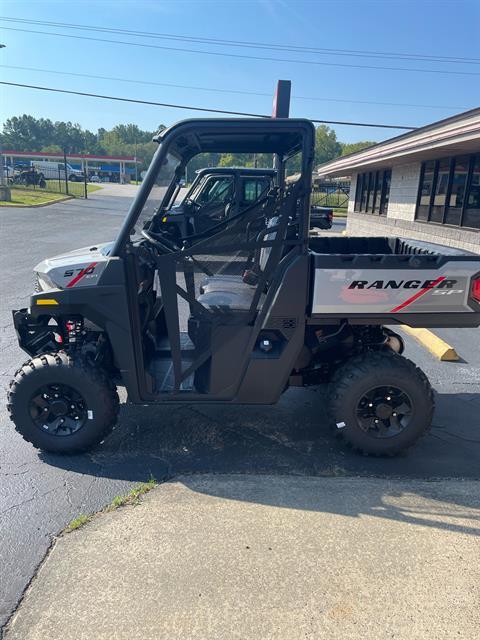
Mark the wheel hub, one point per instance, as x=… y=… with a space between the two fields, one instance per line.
x=384 y=412
x=58 y=409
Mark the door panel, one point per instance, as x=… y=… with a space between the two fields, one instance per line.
x=205 y=295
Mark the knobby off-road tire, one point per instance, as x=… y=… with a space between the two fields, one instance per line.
x=365 y=389
x=62 y=384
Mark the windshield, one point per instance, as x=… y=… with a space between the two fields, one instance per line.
x=155 y=198
x=215 y=189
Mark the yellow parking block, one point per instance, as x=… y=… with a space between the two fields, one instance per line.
x=438 y=347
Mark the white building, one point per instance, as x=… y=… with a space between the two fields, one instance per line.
x=424 y=184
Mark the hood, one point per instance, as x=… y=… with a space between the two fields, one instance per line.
x=80 y=267
x=176 y=210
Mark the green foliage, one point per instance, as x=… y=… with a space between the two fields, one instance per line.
x=326 y=145
x=352 y=147
x=77 y=522
x=26 y=133
x=133 y=496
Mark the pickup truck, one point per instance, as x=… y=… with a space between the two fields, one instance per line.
x=234 y=316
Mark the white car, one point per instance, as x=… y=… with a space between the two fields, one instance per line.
x=94 y=179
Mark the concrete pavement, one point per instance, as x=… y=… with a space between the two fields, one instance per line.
x=218 y=557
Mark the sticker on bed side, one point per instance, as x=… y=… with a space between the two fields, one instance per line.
x=341 y=425
x=90 y=414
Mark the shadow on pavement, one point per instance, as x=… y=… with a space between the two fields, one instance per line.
x=290 y=438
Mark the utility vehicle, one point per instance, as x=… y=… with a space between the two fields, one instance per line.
x=235 y=315
x=216 y=194
x=220 y=192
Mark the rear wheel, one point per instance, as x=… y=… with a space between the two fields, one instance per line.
x=381 y=403
x=62 y=405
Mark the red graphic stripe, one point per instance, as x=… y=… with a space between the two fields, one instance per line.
x=80 y=275
x=418 y=295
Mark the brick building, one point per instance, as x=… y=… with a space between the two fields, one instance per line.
x=424 y=184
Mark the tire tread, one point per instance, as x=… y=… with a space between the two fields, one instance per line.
x=361 y=365
x=105 y=388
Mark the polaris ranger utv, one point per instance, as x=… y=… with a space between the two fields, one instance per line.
x=235 y=316
x=220 y=192
x=215 y=194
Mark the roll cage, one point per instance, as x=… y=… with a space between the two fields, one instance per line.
x=282 y=137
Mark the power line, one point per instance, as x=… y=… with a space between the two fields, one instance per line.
x=243 y=56
x=157 y=104
x=250 y=44
x=228 y=91
x=195 y=108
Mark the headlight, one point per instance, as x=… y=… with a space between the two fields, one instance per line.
x=43 y=282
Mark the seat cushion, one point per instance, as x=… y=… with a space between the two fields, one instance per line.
x=228 y=299
x=222 y=283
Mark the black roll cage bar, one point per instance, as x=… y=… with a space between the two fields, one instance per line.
x=185 y=136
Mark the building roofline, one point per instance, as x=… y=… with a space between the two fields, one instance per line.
x=438 y=124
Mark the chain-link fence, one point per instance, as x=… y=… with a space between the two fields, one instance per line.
x=53 y=179
x=331 y=194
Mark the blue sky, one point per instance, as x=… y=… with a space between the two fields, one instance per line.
x=416 y=27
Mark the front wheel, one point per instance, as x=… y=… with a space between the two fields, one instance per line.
x=381 y=403
x=61 y=404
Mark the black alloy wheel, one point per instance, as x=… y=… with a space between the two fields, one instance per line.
x=58 y=409
x=384 y=412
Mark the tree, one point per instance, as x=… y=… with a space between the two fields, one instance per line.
x=69 y=136
x=26 y=133
x=131 y=134
x=52 y=148
x=352 y=147
x=326 y=145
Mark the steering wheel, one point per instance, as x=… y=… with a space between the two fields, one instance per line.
x=165 y=244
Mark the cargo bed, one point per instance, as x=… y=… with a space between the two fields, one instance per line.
x=380 y=280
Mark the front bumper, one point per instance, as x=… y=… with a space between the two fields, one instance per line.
x=35 y=335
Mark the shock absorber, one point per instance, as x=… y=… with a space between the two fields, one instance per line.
x=74 y=331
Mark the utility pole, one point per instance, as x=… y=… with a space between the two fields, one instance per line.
x=281 y=109
x=5 y=194
x=136 y=165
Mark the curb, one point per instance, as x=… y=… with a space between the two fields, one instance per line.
x=438 y=347
x=36 y=206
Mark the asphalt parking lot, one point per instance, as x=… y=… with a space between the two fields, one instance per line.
x=40 y=493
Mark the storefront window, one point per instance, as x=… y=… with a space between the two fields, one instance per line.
x=426 y=187
x=453 y=214
x=472 y=211
x=449 y=192
x=441 y=187
x=372 y=192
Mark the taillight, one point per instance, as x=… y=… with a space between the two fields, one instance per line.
x=476 y=290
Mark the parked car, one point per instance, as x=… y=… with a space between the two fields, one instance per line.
x=94 y=179
x=321 y=217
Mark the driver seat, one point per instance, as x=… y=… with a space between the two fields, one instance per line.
x=232 y=293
